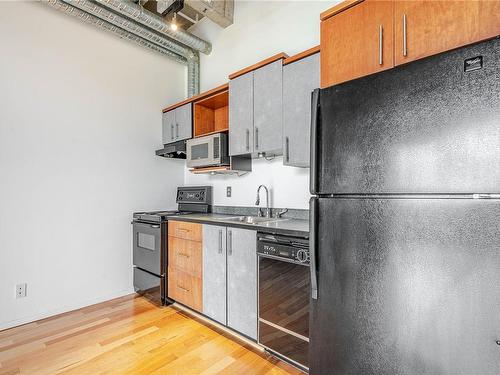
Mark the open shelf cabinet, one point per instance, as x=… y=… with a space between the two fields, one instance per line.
x=211 y=115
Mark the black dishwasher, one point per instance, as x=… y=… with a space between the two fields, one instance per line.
x=284 y=292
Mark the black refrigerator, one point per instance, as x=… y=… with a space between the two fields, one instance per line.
x=405 y=219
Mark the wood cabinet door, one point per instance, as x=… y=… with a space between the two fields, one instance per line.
x=185 y=288
x=425 y=28
x=299 y=80
x=241 y=115
x=242 y=281
x=183 y=122
x=185 y=255
x=268 y=108
x=168 y=127
x=357 y=42
x=214 y=272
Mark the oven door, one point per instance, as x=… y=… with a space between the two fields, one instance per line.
x=147 y=247
x=284 y=308
x=200 y=152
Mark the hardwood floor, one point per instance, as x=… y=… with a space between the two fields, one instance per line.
x=129 y=335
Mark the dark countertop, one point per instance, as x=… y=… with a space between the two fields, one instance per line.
x=286 y=226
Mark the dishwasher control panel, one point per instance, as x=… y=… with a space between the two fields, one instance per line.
x=292 y=248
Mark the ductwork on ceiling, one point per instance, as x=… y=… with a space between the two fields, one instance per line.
x=130 y=21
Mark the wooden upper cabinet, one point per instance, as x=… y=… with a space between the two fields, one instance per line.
x=425 y=28
x=357 y=41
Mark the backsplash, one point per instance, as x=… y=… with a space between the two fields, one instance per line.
x=288 y=186
x=292 y=213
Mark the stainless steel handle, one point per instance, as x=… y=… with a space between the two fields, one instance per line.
x=256 y=138
x=230 y=242
x=183 y=230
x=171 y=131
x=220 y=241
x=248 y=139
x=405 y=49
x=380 y=45
x=176 y=130
x=287 y=149
x=313 y=177
x=184 y=289
x=312 y=247
x=183 y=255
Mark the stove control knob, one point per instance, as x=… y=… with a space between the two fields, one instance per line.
x=302 y=256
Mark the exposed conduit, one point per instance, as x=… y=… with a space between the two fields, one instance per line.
x=92 y=13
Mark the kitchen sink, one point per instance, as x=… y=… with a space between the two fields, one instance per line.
x=250 y=219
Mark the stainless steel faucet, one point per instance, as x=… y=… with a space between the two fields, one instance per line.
x=257 y=202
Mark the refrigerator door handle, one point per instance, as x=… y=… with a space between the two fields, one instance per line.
x=313 y=203
x=313 y=181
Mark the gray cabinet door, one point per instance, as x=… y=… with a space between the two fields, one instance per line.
x=168 y=127
x=268 y=109
x=242 y=281
x=183 y=122
x=214 y=272
x=241 y=115
x=299 y=80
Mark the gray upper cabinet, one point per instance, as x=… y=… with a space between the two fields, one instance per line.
x=214 y=272
x=242 y=281
x=300 y=78
x=241 y=115
x=183 y=122
x=168 y=124
x=268 y=109
x=177 y=124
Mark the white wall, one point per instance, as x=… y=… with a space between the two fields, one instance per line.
x=79 y=122
x=261 y=29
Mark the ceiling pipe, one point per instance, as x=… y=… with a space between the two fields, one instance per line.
x=126 y=29
x=104 y=25
x=130 y=26
x=155 y=22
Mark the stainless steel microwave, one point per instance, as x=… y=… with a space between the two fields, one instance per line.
x=208 y=151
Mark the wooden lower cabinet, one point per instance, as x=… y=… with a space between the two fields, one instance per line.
x=185 y=288
x=185 y=264
x=185 y=255
x=424 y=28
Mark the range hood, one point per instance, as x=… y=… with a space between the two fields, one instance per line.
x=176 y=150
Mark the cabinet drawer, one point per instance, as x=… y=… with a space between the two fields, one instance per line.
x=185 y=255
x=185 y=230
x=185 y=288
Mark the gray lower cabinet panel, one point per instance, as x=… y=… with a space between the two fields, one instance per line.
x=242 y=281
x=241 y=115
x=299 y=80
x=168 y=124
x=183 y=122
x=214 y=272
x=268 y=109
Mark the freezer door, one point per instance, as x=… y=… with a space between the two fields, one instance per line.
x=406 y=287
x=432 y=126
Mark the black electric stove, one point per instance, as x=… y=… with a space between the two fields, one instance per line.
x=150 y=244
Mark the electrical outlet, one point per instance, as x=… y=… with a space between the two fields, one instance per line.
x=21 y=290
x=228 y=191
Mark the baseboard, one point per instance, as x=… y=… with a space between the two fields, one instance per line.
x=63 y=309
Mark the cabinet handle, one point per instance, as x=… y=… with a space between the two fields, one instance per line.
x=405 y=49
x=183 y=255
x=176 y=130
x=183 y=230
x=380 y=45
x=220 y=241
x=171 y=131
x=256 y=138
x=184 y=289
x=230 y=243
x=248 y=140
x=287 y=149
